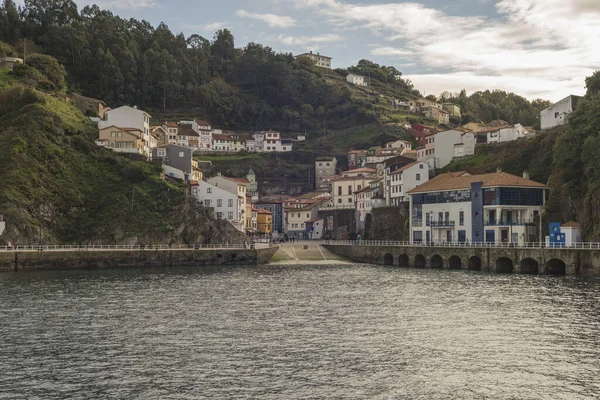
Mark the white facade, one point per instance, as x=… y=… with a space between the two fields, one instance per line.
x=558 y=113
x=318 y=227
x=572 y=233
x=427 y=154
x=234 y=186
x=405 y=179
x=399 y=144
x=344 y=187
x=2 y=225
x=506 y=134
x=224 y=203
x=356 y=80
x=296 y=220
x=259 y=141
x=129 y=117
x=318 y=59
x=445 y=142
x=250 y=144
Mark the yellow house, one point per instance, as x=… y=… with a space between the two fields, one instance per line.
x=264 y=220
x=122 y=140
x=452 y=108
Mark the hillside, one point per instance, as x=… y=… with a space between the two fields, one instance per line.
x=59 y=187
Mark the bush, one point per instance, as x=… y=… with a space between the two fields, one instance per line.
x=50 y=68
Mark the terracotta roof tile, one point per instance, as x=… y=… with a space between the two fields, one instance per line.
x=458 y=180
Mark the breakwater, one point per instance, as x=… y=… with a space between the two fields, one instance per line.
x=93 y=259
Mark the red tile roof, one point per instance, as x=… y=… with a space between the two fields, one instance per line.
x=571 y=225
x=202 y=122
x=172 y=124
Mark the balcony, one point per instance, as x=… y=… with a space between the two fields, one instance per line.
x=442 y=224
x=526 y=222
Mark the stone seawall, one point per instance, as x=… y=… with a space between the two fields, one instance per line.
x=502 y=260
x=64 y=260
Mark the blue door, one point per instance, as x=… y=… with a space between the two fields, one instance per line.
x=490 y=236
x=462 y=236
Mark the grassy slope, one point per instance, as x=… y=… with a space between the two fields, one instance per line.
x=57 y=186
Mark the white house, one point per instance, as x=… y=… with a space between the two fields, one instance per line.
x=572 y=231
x=272 y=141
x=405 y=179
x=500 y=134
x=558 y=113
x=298 y=220
x=318 y=59
x=224 y=204
x=259 y=141
x=204 y=131
x=222 y=142
x=427 y=153
x=129 y=117
x=342 y=188
x=356 y=80
x=172 y=130
x=236 y=186
x=399 y=144
x=491 y=208
x=445 y=142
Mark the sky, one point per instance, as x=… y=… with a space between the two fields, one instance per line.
x=536 y=48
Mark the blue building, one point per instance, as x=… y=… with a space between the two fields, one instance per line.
x=276 y=207
x=490 y=208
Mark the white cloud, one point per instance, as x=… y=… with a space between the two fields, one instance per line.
x=126 y=4
x=272 y=20
x=538 y=48
x=211 y=26
x=306 y=41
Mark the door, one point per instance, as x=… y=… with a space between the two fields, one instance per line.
x=504 y=235
x=448 y=236
x=428 y=236
x=490 y=236
x=492 y=215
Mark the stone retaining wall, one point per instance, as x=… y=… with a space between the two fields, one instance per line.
x=62 y=260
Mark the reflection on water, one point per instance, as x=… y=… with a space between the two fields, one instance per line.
x=344 y=331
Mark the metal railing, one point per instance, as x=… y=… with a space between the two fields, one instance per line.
x=162 y=247
x=529 y=245
x=442 y=224
x=509 y=223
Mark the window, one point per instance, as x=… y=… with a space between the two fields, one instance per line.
x=461 y=218
x=207 y=203
x=219 y=215
x=418 y=177
x=230 y=215
x=556 y=115
x=320 y=164
x=339 y=201
x=359 y=187
x=339 y=190
x=421 y=166
x=161 y=152
x=120 y=134
x=181 y=154
x=298 y=215
x=208 y=190
x=327 y=164
x=446 y=216
x=349 y=189
x=350 y=200
x=113 y=134
x=219 y=203
x=230 y=203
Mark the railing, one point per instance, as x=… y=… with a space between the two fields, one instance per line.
x=130 y=248
x=509 y=223
x=530 y=245
x=442 y=224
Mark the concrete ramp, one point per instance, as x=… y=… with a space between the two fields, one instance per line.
x=302 y=252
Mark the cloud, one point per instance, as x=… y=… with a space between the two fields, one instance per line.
x=305 y=41
x=272 y=20
x=535 y=47
x=126 y=4
x=211 y=26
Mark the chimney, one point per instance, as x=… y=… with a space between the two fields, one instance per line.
x=525 y=174
x=498 y=170
x=311 y=52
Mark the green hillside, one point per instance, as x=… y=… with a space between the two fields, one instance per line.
x=59 y=187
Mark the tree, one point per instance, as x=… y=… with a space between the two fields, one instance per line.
x=592 y=83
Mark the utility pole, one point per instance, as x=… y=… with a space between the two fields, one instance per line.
x=24 y=50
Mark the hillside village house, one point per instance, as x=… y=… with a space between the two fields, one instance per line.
x=399 y=144
x=361 y=197
x=445 y=144
x=342 y=188
x=300 y=217
x=405 y=179
x=427 y=152
x=490 y=208
x=160 y=134
x=500 y=134
x=324 y=168
x=238 y=141
x=436 y=114
x=222 y=142
x=224 y=204
x=178 y=162
x=188 y=136
x=357 y=80
x=417 y=105
x=452 y=109
x=236 y=186
x=129 y=117
x=121 y=140
x=558 y=113
x=273 y=142
x=318 y=59
x=205 y=132
x=259 y=141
